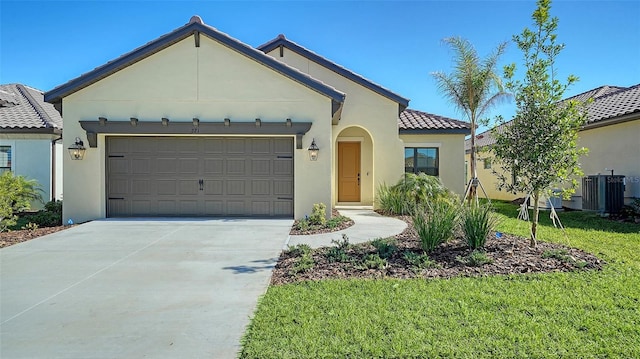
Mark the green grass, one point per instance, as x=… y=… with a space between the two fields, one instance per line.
x=569 y=315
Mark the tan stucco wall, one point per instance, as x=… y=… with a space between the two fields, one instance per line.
x=451 y=152
x=614 y=147
x=364 y=109
x=32 y=158
x=211 y=82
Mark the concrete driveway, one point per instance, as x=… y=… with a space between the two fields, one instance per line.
x=136 y=288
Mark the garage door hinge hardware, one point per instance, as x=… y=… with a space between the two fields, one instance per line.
x=116 y=198
x=286 y=198
x=116 y=156
x=201 y=183
x=285 y=156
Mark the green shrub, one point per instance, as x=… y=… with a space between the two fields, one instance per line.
x=411 y=191
x=318 y=214
x=475 y=259
x=372 y=261
x=419 y=261
x=338 y=253
x=302 y=265
x=30 y=227
x=336 y=221
x=51 y=216
x=298 y=250
x=385 y=247
x=435 y=223
x=392 y=201
x=478 y=222
x=16 y=195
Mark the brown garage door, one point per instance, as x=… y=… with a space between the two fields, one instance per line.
x=199 y=176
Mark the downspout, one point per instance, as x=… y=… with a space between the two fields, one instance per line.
x=54 y=187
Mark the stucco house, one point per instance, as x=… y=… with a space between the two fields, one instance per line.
x=197 y=123
x=612 y=135
x=30 y=139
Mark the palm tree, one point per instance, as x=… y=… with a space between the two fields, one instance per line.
x=473 y=87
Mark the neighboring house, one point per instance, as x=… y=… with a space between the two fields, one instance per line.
x=30 y=134
x=612 y=135
x=197 y=123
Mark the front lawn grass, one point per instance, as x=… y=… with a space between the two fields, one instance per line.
x=594 y=314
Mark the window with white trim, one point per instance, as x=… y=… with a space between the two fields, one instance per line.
x=5 y=158
x=422 y=160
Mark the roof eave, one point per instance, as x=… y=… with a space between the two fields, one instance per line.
x=40 y=130
x=612 y=121
x=437 y=131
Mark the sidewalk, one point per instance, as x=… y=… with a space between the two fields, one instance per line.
x=368 y=225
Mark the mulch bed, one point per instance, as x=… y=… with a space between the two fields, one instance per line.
x=13 y=237
x=510 y=254
x=318 y=229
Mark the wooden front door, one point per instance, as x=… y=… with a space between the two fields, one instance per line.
x=348 y=171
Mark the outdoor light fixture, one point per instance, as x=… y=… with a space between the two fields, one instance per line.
x=313 y=151
x=77 y=150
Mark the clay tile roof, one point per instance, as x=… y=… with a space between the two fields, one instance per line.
x=416 y=121
x=609 y=103
x=24 y=109
x=615 y=104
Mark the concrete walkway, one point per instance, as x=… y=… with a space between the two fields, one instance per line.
x=368 y=225
x=136 y=288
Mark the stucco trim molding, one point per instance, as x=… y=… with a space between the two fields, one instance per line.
x=93 y=128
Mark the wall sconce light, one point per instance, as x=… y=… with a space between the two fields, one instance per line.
x=77 y=150
x=313 y=151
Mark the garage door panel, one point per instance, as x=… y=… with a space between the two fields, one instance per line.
x=188 y=146
x=236 y=146
x=166 y=165
x=260 y=187
x=118 y=187
x=188 y=187
x=283 y=188
x=261 y=208
x=143 y=145
x=213 y=187
x=282 y=208
x=236 y=208
x=214 y=146
x=118 y=165
x=236 y=166
x=189 y=165
x=213 y=166
x=142 y=186
x=141 y=206
x=261 y=167
x=167 y=207
x=141 y=166
x=261 y=146
x=235 y=187
x=199 y=176
x=282 y=146
x=166 y=187
x=283 y=167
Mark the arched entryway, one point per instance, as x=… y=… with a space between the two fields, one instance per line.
x=354 y=167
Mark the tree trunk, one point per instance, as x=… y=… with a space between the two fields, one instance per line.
x=473 y=190
x=534 y=223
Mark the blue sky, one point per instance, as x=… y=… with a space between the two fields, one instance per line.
x=394 y=43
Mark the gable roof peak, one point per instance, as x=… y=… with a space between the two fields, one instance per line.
x=196 y=19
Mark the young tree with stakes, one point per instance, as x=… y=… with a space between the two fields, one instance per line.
x=539 y=146
x=473 y=87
